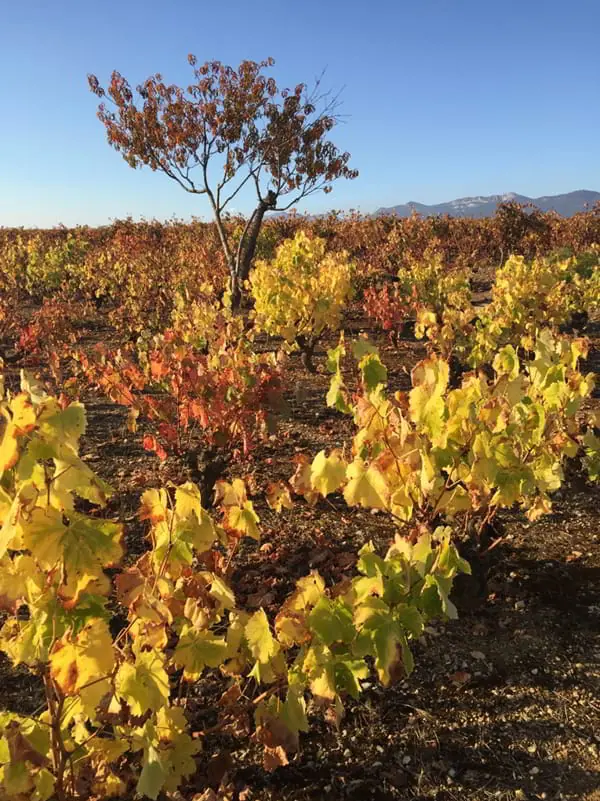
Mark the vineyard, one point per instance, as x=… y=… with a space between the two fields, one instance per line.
x=338 y=537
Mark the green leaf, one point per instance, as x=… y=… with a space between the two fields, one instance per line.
x=84 y=546
x=332 y=621
x=506 y=362
x=347 y=673
x=335 y=355
x=144 y=685
x=336 y=397
x=153 y=775
x=374 y=372
x=410 y=619
x=362 y=347
x=261 y=643
x=197 y=650
x=381 y=637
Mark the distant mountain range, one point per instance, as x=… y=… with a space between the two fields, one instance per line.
x=566 y=205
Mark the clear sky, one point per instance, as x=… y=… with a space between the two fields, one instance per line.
x=445 y=98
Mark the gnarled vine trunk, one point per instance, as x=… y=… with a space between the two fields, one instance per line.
x=247 y=249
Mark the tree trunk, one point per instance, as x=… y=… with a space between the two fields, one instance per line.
x=236 y=292
x=307 y=349
x=248 y=249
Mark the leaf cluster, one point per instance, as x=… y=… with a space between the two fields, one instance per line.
x=112 y=720
x=435 y=453
x=302 y=291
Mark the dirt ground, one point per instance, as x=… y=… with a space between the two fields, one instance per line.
x=504 y=703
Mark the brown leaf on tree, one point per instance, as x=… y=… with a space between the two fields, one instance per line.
x=396 y=669
x=231 y=696
x=273 y=733
x=19 y=747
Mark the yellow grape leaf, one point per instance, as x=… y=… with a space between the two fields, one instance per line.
x=222 y=592
x=194 y=525
x=319 y=666
x=168 y=757
x=153 y=774
x=243 y=520
x=506 y=362
x=454 y=501
x=540 y=507
x=21 y=419
x=188 y=500
x=106 y=750
x=132 y=418
x=154 y=505
x=72 y=475
x=17 y=780
x=261 y=643
x=111 y=786
x=12 y=585
x=380 y=636
x=144 y=685
x=83 y=547
x=366 y=487
x=64 y=426
x=33 y=387
x=6 y=503
x=309 y=590
x=203 y=531
x=44 y=785
x=233 y=494
x=426 y=399
x=402 y=505
x=11 y=532
x=327 y=473
x=20 y=580
x=337 y=396
x=178 y=755
x=75 y=661
x=23 y=741
x=25 y=642
x=374 y=372
x=9 y=448
x=291 y=622
x=197 y=650
x=22 y=414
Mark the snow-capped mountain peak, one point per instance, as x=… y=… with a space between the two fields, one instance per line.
x=486 y=205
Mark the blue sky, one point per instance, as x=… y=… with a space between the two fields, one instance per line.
x=445 y=98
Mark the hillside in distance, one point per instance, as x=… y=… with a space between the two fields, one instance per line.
x=485 y=206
